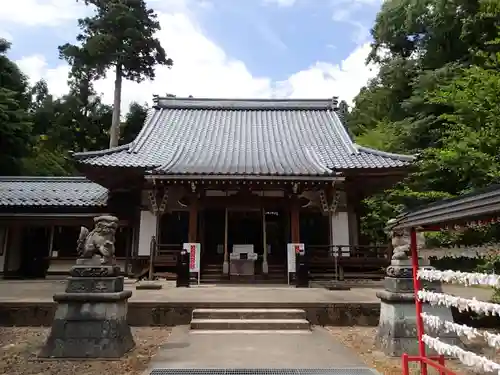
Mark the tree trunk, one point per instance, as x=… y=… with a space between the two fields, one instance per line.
x=114 y=132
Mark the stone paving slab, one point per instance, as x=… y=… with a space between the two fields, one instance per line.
x=259 y=350
x=43 y=290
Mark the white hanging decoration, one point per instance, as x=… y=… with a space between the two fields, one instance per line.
x=467 y=358
x=462 y=304
x=457 y=277
x=436 y=323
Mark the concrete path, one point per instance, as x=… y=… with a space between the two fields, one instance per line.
x=43 y=290
x=255 y=350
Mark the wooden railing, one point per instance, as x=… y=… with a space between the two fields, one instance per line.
x=347 y=261
x=166 y=254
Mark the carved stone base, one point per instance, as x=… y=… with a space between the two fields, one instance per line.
x=397 y=330
x=91 y=316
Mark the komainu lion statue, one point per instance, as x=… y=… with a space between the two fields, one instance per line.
x=100 y=241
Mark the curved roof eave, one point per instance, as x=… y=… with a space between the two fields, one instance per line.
x=390 y=155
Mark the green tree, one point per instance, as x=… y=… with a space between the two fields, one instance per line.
x=436 y=95
x=78 y=121
x=134 y=122
x=15 y=124
x=120 y=35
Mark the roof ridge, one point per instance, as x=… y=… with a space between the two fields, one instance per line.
x=340 y=129
x=391 y=155
x=240 y=103
x=44 y=179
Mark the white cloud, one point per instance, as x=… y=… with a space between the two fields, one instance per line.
x=281 y=3
x=202 y=69
x=40 y=12
x=344 y=11
x=6 y=35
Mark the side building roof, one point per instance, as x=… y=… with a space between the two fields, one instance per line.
x=189 y=136
x=476 y=205
x=51 y=192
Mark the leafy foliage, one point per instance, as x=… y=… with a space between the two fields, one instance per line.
x=15 y=124
x=437 y=95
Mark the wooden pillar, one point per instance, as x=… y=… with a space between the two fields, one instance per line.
x=295 y=219
x=329 y=198
x=193 y=220
x=51 y=240
x=331 y=236
x=225 y=265
x=265 y=267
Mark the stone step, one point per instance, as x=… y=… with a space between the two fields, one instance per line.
x=249 y=314
x=250 y=331
x=250 y=324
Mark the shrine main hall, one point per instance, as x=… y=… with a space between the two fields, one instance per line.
x=236 y=176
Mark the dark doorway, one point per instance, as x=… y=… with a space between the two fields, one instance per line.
x=277 y=236
x=245 y=227
x=34 y=252
x=314 y=229
x=214 y=225
x=174 y=227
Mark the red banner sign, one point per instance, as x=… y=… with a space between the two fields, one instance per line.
x=192 y=257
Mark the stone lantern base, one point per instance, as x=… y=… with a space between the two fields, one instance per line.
x=91 y=316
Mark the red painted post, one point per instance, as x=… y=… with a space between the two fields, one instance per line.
x=418 y=303
x=405 y=364
x=441 y=362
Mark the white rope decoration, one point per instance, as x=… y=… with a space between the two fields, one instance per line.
x=467 y=358
x=436 y=323
x=457 y=277
x=462 y=304
x=479 y=362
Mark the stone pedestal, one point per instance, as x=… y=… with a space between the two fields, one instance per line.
x=397 y=330
x=91 y=316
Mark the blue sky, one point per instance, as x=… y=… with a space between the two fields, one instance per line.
x=277 y=40
x=271 y=47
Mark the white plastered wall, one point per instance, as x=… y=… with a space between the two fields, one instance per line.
x=147 y=229
x=353 y=228
x=340 y=231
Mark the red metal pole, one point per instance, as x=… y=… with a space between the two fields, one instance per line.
x=441 y=362
x=431 y=361
x=418 y=303
x=405 y=364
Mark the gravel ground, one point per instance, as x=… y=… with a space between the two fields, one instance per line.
x=361 y=340
x=18 y=348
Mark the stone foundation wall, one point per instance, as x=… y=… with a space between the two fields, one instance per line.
x=169 y=314
x=143 y=314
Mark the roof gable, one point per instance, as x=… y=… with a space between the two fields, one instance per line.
x=243 y=137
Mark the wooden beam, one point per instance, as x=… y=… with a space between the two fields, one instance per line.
x=249 y=201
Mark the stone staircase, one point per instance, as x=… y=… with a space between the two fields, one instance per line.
x=249 y=320
x=211 y=273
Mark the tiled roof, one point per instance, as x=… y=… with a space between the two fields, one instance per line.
x=243 y=137
x=51 y=191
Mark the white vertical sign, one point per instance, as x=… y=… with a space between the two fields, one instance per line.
x=292 y=250
x=194 y=251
